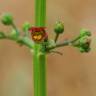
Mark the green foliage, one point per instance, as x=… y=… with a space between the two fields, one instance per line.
x=84 y=41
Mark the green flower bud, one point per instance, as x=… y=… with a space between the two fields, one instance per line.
x=85 y=32
x=26 y=26
x=59 y=28
x=88 y=49
x=86 y=45
x=7 y=19
x=83 y=44
x=81 y=50
x=85 y=40
x=84 y=50
x=13 y=34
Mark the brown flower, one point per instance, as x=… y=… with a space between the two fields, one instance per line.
x=38 y=34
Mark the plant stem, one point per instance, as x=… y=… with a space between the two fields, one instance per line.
x=15 y=28
x=65 y=43
x=39 y=58
x=20 y=40
x=56 y=37
x=40 y=13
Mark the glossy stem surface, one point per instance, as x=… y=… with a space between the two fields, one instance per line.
x=39 y=57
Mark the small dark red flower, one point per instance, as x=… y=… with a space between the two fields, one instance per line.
x=38 y=34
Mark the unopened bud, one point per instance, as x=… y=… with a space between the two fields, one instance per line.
x=59 y=28
x=7 y=19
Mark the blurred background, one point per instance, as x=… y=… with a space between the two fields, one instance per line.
x=73 y=74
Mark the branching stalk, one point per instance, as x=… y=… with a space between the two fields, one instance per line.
x=39 y=57
x=40 y=49
x=20 y=40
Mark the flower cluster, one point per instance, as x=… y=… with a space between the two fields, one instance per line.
x=40 y=36
x=83 y=42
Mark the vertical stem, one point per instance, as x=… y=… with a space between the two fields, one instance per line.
x=39 y=74
x=39 y=57
x=40 y=12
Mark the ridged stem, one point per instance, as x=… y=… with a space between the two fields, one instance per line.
x=40 y=13
x=39 y=57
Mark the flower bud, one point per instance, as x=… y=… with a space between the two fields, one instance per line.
x=85 y=44
x=59 y=28
x=85 y=32
x=7 y=19
x=13 y=34
x=81 y=50
x=85 y=40
x=26 y=26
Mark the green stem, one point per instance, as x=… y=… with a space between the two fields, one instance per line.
x=20 y=40
x=39 y=73
x=40 y=13
x=39 y=58
x=15 y=28
x=56 y=37
x=65 y=43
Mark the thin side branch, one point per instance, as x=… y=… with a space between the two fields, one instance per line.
x=20 y=40
x=65 y=43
